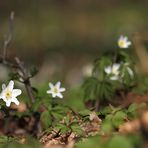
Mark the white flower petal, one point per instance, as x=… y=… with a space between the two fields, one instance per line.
x=16 y=92
x=55 y=90
x=8 y=102
x=114 y=78
x=125 y=38
x=49 y=91
x=123 y=42
x=128 y=43
x=11 y=85
x=116 y=66
x=62 y=89
x=54 y=95
x=108 y=69
x=59 y=95
x=9 y=94
x=51 y=85
x=14 y=100
x=58 y=84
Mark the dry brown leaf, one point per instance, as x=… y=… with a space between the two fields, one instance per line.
x=130 y=127
x=21 y=107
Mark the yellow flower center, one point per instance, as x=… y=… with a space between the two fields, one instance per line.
x=55 y=90
x=8 y=94
x=121 y=43
x=115 y=71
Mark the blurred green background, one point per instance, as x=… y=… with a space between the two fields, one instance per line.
x=62 y=37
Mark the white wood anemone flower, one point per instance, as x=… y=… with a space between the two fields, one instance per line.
x=113 y=71
x=55 y=90
x=9 y=94
x=123 y=42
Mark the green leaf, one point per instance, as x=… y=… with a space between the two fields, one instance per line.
x=62 y=127
x=91 y=142
x=14 y=76
x=85 y=112
x=36 y=105
x=119 y=142
x=104 y=90
x=118 y=118
x=77 y=129
x=106 y=127
x=3 y=139
x=108 y=117
x=57 y=116
x=89 y=87
x=46 y=119
x=133 y=107
x=106 y=110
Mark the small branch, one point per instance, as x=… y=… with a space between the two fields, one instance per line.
x=17 y=64
x=8 y=37
x=26 y=79
x=19 y=67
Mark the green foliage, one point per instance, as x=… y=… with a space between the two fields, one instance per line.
x=133 y=108
x=118 y=118
x=46 y=119
x=95 y=89
x=113 y=141
x=76 y=128
x=99 y=65
x=74 y=98
x=98 y=86
x=104 y=90
x=92 y=142
x=89 y=87
x=14 y=76
x=120 y=141
x=69 y=124
x=30 y=142
x=128 y=76
x=101 y=86
x=56 y=115
x=125 y=56
x=5 y=139
x=84 y=112
x=141 y=85
x=106 y=126
x=113 y=119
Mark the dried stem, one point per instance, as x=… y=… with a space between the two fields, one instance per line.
x=17 y=64
x=19 y=67
x=8 y=37
x=26 y=79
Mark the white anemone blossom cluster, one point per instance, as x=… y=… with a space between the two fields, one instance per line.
x=114 y=71
x=123 y=42
x=9 y=94
x=55 y=90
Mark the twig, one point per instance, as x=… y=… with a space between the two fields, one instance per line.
x=17 y=64
x=26 y=79
x=8 y=37
x=19 y=67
